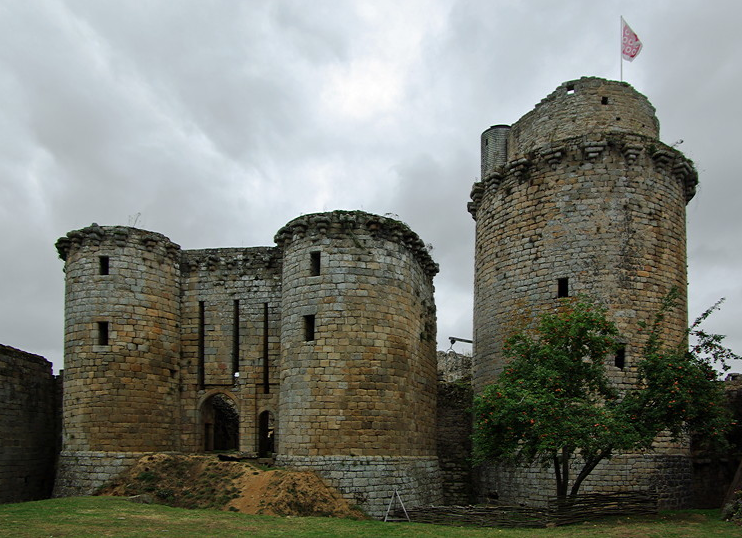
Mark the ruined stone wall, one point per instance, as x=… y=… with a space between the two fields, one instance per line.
x=583 y=107
x=237 y=291
x=358 y=375
x=29 y=426
x=589 y=202
x=454 y=427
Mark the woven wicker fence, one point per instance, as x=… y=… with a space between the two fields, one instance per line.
x=577 y=510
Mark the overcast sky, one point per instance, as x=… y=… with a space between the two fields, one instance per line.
x=216 y=122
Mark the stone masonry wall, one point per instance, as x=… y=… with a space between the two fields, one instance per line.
x=607 y=213
x=29 y=426
x=582 y=107
x=363 y=383
x=591 y=203
x=235 y=286
x=670 y=475
x=370 y=481
x=454 y=430
x=122 y=341
x=82 y=472
x=615 y=231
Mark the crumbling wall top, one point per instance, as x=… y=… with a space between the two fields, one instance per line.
x=582 y=107
x=121 y=236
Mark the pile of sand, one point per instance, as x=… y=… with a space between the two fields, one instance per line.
x=196 y=481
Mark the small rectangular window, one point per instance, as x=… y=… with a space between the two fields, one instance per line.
x=314 y=259
x=309 y=328
x=102 y=333
x=619 y=361
x=562 y=287
x=570 y=89
x=104 y=264
x=603 y=100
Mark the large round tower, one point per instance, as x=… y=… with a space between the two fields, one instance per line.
x=358 y=356
x=122 y=346
x=579 y=197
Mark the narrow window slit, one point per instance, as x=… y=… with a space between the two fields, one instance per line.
x=315 y=263
x=619 y=361
x=309 y=328
x=102 y=333
x=104 y=264
x=562 y=287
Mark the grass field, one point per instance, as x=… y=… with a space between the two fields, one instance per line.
x=115 y=516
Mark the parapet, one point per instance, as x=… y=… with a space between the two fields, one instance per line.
x=120 y=236
x=238 y=261
x=353 y=223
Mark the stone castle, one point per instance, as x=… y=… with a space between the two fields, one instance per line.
x=320 y=351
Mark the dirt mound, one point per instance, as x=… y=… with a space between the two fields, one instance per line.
x=195 y=481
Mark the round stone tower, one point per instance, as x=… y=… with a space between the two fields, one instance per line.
x=358 y=352
x=121 y=351
x=579 y=197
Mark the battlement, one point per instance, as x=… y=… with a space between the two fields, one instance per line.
x=623 y=149
x=583 y=107
x=119 y=236
x=356 y=223
x=237 y=261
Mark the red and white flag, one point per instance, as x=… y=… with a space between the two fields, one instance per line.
x=630 y=44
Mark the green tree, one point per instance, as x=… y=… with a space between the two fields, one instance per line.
x=553 y=401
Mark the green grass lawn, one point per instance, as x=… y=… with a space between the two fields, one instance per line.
x=115 y=516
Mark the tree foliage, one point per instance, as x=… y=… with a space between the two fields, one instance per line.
x=553 y=401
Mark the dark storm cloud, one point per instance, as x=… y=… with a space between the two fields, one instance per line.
x=217 y=122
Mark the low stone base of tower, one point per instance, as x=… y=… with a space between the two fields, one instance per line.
x=670 y=475
x=83 y=472
x=370 y=481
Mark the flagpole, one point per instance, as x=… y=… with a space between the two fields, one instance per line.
x=620 y=45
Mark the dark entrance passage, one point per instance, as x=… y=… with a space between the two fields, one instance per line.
x=266 y=435
x=221 y=422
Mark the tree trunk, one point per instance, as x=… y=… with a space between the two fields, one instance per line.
x=561 y=471
x=590 y=464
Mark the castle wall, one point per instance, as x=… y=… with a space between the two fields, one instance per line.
x=454 y=429
x=587 y=204
x=358 y=374
x=30 y=426
x=237 y=291
x=671 y=475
